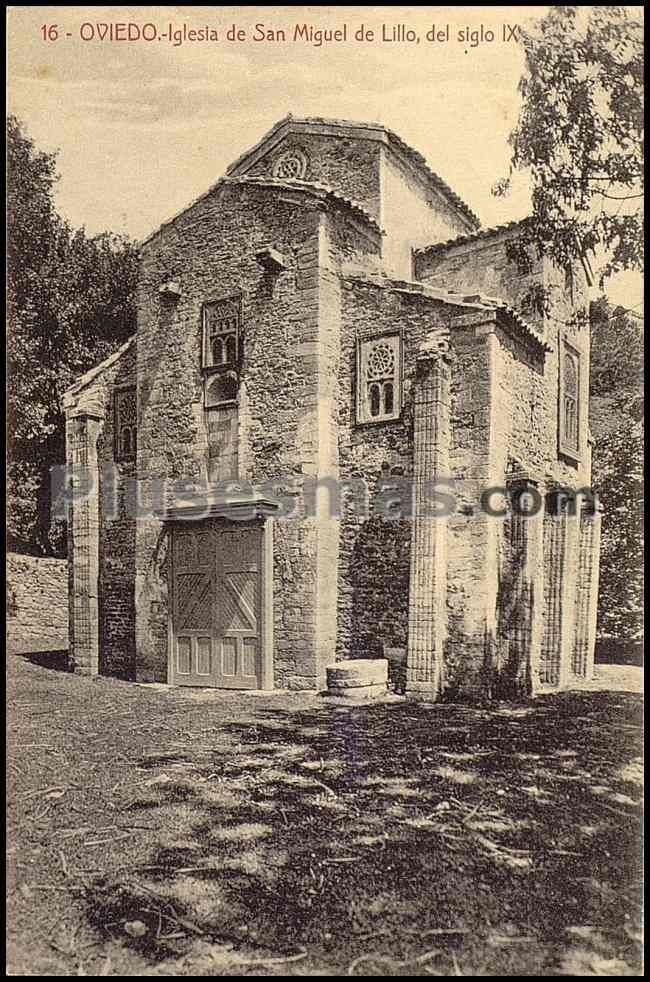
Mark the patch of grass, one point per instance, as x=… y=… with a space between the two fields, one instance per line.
x=157 y=832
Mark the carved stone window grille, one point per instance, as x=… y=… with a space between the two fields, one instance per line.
x=126 y=424
x=569 y=415
x=291 y=166
x=379 y=379
x=221 y=333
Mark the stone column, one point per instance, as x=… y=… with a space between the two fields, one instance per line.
x=560 y=527
x=427 y=625
x=83 y=542
x=526 y=603
x=587 y=590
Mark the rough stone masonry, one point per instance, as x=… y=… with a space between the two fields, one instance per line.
x=325 y=327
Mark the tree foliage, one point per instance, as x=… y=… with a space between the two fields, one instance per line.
x=579 y=135
x=616 y=350
x=70 y=300
x=617 y=426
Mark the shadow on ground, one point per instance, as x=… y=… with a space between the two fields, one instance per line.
x=322 y=829
x=56 y=660
x=262 y=835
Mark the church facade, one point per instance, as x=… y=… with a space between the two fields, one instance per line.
x=345 y=426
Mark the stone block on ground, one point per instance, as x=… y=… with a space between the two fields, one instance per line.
x=358 y=678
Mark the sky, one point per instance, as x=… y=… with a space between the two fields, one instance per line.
x=142 y=127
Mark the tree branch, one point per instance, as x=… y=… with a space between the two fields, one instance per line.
x=618 y=197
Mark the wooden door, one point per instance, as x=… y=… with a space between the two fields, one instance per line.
x=216 y=636
x=193 y=591
x=237 y=627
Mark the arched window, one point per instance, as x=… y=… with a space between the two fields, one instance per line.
x=221 y=324
x=378 y=380
x=217 y=347
x=375 y=399
x=388 y=398
x=569 y=422
x=221 y=389
x=126 y=424
x=230 y=349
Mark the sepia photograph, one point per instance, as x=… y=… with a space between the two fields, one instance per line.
x=324 y=534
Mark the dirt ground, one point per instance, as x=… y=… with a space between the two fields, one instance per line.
x=154 y=831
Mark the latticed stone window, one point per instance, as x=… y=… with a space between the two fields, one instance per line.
x=569 y=415
x=291 y=166
x=126 y=424
x=379 y=379
x=221 y=326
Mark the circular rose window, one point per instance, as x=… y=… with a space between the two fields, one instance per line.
x=291 y=166
x=381 y=362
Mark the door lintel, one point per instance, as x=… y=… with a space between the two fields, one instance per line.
x=233 y=507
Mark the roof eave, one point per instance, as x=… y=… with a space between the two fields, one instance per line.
x=320 y=191
x=68 y=400
x=507 y=228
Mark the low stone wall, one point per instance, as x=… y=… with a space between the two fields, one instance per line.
x=37 y=604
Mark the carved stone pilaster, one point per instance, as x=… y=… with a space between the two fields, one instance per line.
x=560 y=530
x=83 y=542
x=427 y=625
x=525 y=604
x=582 y=662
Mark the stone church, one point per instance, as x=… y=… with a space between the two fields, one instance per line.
x=345 y=426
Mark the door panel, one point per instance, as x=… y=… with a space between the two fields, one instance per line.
x=216 y=615
x=184 y=656
x=204 y=656
x=238 y=607
x=192 y=606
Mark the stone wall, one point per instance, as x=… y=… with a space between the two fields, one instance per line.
x=341 y=584
x=527 y=411
x=375 y=554
x=112 y=501
x=375 y=549
x=117 y=539
x=351 y=166
x=37 y=604
x=412 y=215
x=524 y=437
x=287 y=402
x=481 y=264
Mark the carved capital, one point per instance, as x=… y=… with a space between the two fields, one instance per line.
x=434 y=352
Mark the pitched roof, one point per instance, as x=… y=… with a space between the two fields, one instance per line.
x=322 y=191
x=376 y=131
x=499 y=309
x=370 y=131
x=84 y=380
x=480 y=233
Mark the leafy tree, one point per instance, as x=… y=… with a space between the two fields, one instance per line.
x=618 y=477
x=617 y=426
x=70 y=300
x=579 y=135
x=616 y=349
